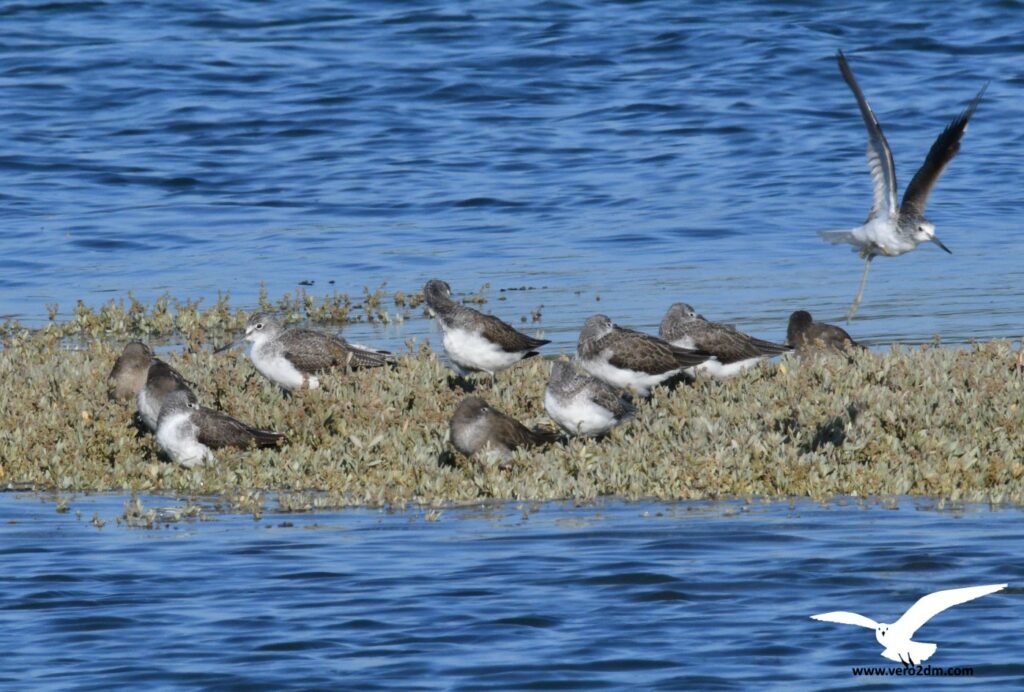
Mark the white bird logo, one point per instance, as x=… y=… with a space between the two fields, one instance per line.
x=896 y=638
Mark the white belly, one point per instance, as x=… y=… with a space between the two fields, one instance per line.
x=723 y=372
x=580 y=416
x=880 y=233
x=622 y=378
x=149 y=409
x=280 y=371
x=176 y=436
x=471 y=351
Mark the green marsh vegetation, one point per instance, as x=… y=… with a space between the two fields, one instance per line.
x=939 y=422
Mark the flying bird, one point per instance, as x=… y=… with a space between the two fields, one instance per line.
x=896 y=638
x=890 y=229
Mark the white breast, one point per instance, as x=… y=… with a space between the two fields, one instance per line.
x=276 y=368
x=471 y=351
x=580 y=415
x=176 y=436
x=149 y=409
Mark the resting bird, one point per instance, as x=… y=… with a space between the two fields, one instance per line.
x=138 y=375
x=892 y=230
x=628 y=359
x=733 y=350
x=806 y=335
x=583 y=405
x=292 y=358
x=476 y=342
x=187 y=432
x=479 y=431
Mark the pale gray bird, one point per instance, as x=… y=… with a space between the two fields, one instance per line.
x=187 y=432
x=631 y=360
x=293 y=357
x=733 y=350
x=890 y=229
x=476 y=342
x=482 y=432
x=806 y=335
x=584 y=405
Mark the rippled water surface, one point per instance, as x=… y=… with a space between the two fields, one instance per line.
x=611 y=157
x=668 y=596
x=641 y=153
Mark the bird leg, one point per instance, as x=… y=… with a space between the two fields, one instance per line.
x=860 y=292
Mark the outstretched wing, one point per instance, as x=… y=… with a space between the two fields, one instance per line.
x=846 y=618
x=883 y=170
x=942 y=152
x=931 y=605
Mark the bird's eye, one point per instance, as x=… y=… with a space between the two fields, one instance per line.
x=259 y=325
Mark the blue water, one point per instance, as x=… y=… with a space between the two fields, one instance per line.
x=667 y=596
x=639 y=153
x=611 y=158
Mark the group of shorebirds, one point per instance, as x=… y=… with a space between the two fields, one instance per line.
x=617 y=360
x=618 y=363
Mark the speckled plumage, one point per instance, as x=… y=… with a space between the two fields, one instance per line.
x=626 y=358
x=292 y=358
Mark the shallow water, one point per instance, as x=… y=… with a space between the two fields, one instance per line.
x=656 y=596
x=639 y=153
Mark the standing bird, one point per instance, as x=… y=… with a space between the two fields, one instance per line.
x=476 y=342
x=583 y=405
x=478 y=430
x=806 y=335
x=733 y=350
x=628 y=359
x=292 y=358
x=892 y=230
x=187 y=432
x=138 y=375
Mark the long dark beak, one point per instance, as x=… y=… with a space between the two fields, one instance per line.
x=221 y=349
x=939 y=243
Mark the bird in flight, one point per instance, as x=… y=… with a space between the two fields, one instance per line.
x=890 y=229
x=896 y=638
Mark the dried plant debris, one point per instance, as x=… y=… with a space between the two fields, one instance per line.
x=946 y=423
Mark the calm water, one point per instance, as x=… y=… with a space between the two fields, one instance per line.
x=697 y=596
x=639 y=152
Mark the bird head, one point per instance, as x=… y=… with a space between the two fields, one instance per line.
x=882 y=633
x=261 y=326
x=924 y=231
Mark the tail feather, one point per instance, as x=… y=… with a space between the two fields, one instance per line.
x=268 y=438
